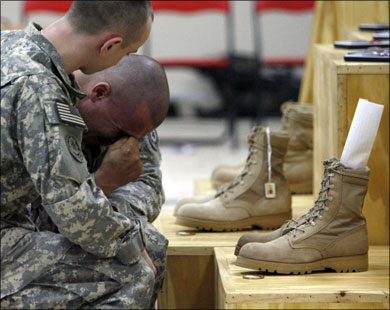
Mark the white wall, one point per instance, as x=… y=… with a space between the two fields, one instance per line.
x=283 y=34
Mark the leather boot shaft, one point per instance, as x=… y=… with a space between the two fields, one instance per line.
x=298 y=163
x=250 y=190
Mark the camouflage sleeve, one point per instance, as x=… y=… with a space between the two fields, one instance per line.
x=51 y=152
x=145 y=195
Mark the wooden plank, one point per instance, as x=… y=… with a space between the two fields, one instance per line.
x=360 y=36
x=189 y=283
x=325 y=116
x=363 y=290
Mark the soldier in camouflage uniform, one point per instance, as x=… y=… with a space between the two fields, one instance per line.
x=145 y=83
x=41 y=156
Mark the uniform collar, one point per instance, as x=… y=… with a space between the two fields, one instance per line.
x=33 y=31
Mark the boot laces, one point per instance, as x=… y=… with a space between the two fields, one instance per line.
x=321 y=204
x=239 y=180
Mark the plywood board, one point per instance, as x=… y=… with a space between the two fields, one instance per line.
x=362 y=290
x=189 y=283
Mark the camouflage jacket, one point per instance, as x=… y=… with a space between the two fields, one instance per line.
x=41 y=155
x=144 y=196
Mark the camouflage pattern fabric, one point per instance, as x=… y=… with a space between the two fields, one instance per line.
x=141 y=198
x=83 y=281
x=41 y=157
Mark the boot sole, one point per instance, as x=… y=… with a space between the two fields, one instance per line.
x=267 y=222
x=355 y=263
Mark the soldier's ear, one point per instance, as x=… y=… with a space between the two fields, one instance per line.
x=100 y=91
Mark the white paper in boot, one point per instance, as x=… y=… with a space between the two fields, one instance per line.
x=361 y=135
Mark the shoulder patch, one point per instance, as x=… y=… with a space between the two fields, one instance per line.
x=74 y=148
x=67 y=116
x=153 y=140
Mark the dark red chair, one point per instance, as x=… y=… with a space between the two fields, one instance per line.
x=210 y=66
x=44 y=6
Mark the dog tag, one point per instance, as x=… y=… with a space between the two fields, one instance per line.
x=185 y=233
x=253 y=276
x=270 y=190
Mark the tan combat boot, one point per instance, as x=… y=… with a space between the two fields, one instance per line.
x=221 y=176
x=284 y=229
x=297 y=120
x=199 y=198
x=224 y=173
x=332 y=235
x=244 y=202
x=298 y=162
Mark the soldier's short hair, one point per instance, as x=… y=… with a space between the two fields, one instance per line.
x=127 y=17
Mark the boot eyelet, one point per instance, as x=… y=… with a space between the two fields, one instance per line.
x=320 y=217
x=313 y=223
x=330 y=198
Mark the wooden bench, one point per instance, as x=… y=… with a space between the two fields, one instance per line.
x=361 y=290
x=189 y=281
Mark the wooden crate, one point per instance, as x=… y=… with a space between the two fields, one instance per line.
x=360 y=36
x=333 y=21
x=338 y=85
x=362 y=290
x=189 y=281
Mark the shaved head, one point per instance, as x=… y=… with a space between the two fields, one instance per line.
x=131 y=97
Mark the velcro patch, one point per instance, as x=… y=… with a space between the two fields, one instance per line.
x=67 y=116
x=74 y=148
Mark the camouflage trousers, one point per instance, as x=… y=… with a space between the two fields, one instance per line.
x=83 y=281
x=156 y=246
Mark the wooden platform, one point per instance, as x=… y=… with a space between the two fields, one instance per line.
x=338 y=85
x=360 y=35
x=189 y=281
x=362 y=290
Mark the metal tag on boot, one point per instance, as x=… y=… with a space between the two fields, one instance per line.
x=270 y=190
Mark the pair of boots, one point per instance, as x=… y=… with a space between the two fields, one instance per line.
x=297 y=120
x=333 y=234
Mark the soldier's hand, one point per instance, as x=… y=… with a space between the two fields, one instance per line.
x=145 y=255
x=120 y=165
